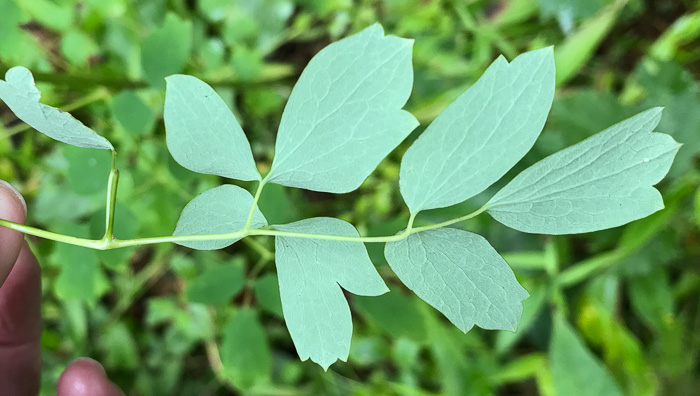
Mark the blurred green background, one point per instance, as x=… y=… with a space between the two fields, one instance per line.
x=610 y=313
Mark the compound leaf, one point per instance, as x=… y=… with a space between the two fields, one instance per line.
x=202 y=134
x=575 y=370
x=22 y=97
x=220 y=210
x=481 y=135
x=311 y=272
x=344 y=114
x=461 y=275
x=605 y=181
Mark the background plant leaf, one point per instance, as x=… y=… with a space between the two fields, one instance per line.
x=166 y=49
x=245 y=353
x=575 y=370
x=216 y=285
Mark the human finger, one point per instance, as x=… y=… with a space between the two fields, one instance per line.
x=12 y=208
x=20 y=327
x=86 y=377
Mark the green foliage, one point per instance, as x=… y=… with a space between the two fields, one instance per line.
x=245 y=354
x=132 y=113
x=575 y=370
x=268 y=294
x=395 y=313
x=166 y=49
x=166 y=320
x=216 y=285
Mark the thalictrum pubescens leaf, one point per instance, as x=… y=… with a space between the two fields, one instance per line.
x=481 y=135
x=220 y=210
x=344 y=114
x=311 y=273
x=603 y=182
x=202 y=133
x=461 y=275
x=22 y=97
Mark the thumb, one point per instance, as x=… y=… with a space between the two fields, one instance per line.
x=12 y=208
x=86 y=377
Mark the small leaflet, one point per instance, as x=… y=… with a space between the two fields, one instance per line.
x=344 y=114
x=481 y=135
x=20 y=94
x=605 y=181
x=311 y=273
x=461 y=275
x=202 y=134
x=220 y=210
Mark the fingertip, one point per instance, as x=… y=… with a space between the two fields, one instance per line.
x=86 y=377
x=14 y=195
x=12 y=208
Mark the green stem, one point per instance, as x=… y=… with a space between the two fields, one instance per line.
x=112 y=184
x=261 y=185
x=88 y=243
x=265 y=231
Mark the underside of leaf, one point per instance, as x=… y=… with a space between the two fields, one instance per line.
x=603 y=182
x=461 y=275
x=22 y=97
x=344 y=114
x=223 y=209
x=481 y=135
x=311 y=273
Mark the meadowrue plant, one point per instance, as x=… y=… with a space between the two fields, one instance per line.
x=343 y=117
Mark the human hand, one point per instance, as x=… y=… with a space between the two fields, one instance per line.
x=20 y=318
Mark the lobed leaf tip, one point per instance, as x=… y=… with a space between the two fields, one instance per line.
x=174 y=77
x=376 y=28
x=12 y=72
